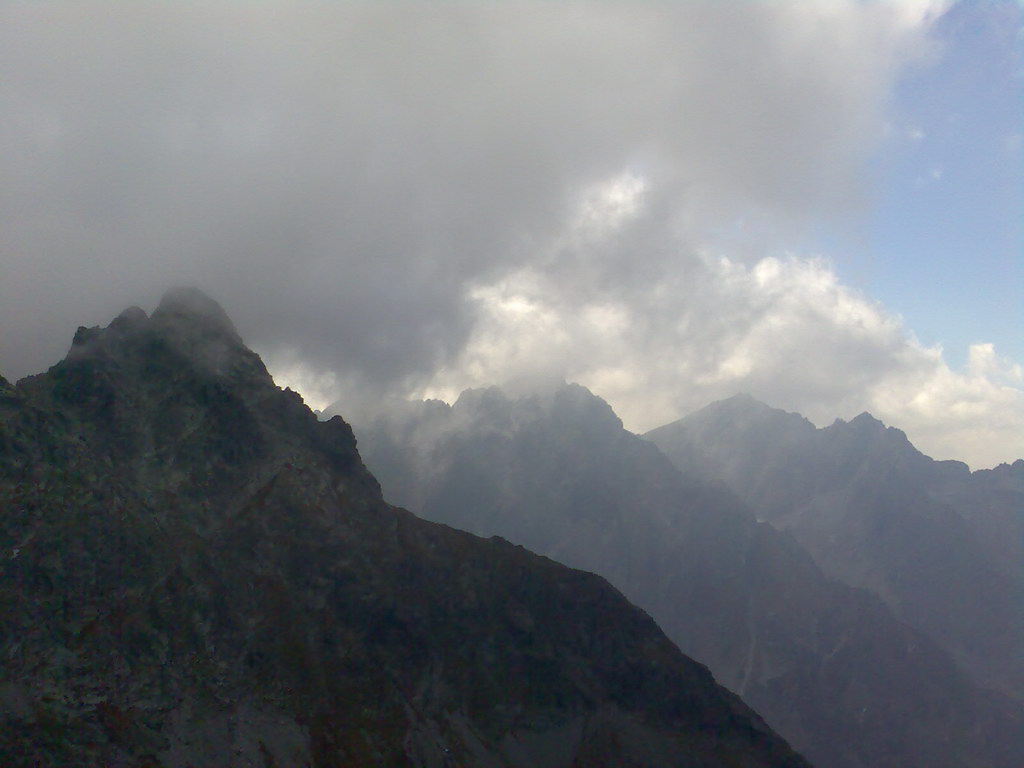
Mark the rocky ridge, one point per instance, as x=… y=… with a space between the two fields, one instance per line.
x=194 y=571
x=942 y=546
x=828 y=666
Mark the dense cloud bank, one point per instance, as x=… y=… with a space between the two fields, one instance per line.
x=410 y=198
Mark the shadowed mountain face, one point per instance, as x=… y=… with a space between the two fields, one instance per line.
x=194 y=571
x=942 y=546
x=828 y=666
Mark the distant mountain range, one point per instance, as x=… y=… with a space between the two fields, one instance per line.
x=942 y=546
x=195 y=571
x=844 y=673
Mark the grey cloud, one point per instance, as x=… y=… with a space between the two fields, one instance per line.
x=341 y=176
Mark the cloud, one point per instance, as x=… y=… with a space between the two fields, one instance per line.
x=341 y=173
x=785 y=330
x=976 y=414
x=372 y=189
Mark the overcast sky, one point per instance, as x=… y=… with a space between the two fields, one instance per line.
x=818 y=203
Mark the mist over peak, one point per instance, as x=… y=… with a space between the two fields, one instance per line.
x=190 y=305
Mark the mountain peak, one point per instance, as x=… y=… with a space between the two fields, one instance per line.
x=579 y=401
x=742 y=398
x=191 y=305
x=187 y=330
x=865 y=420
x=232 y=589
x=742 y=402
x=867 y=426
x=741 y=411
x=568 y=404
x=130 y=318
x=482 y=399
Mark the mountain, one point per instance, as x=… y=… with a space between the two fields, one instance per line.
x=991 y=503
x=942 y=546
x=195 y=571
x=828 y=666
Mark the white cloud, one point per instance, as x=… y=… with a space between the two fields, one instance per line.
x=783 y=329
x=608 y=205
x=976 y=414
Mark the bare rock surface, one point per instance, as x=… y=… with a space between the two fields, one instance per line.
x=195 y=571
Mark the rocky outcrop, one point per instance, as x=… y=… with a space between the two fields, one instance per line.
x=194 y=571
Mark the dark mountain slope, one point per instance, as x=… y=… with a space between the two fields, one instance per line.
x=194 y=571
x=991 y=502
x=828 y=666
x=940 y=545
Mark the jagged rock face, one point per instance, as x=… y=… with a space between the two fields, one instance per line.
x=194 y=571
x=941 y=545
x=828 y=666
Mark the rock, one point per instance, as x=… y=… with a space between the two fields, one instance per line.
x=194 y=570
